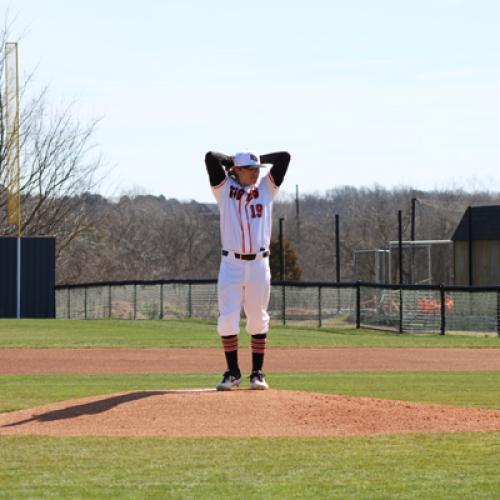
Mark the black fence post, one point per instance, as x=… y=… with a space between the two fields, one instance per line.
x=282 y=250
x=135 y=300
x=443 y=309
x=110 y=302
x=283 y=305
x=412 y=237
x=400 y=245
x=85 y=302
x=190 y=305
x=358 y=305
x=319 y=307
x=337 y=248
x=401 y=316
x=337 y=258
x=69 y=303
x=161 y=301
x=282 y=271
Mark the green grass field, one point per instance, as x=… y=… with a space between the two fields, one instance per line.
x=405 y=466
x=164 y=334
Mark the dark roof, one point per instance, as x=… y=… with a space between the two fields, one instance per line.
x=485 y=224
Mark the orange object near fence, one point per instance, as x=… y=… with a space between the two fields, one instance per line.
x=427 y=306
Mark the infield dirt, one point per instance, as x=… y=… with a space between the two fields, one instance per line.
x=205 y=412
x=110 y=360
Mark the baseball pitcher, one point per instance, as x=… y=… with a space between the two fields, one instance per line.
x=245 y=207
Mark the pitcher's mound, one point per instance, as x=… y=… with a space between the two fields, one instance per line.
x=205 y=412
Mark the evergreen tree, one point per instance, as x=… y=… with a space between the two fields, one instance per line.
x=293 y=272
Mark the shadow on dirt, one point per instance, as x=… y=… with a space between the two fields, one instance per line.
x=101 y=406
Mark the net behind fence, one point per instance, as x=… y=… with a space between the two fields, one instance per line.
x=410 y=308
x=98 y=303
x=379 y=308
x=338 y=306
x=421 y=311
x=473 y=312
x=319 y=305
x=148 y=302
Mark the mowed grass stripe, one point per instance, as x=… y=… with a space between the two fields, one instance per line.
x=405 y=466
x=479 y=389
x=196 y=333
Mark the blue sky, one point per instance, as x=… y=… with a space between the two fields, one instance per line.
x=396 y=93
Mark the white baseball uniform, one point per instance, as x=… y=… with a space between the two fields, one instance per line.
x=245 y=227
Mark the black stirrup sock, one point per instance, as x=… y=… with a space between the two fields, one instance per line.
x=230 y=345
x=258 y=351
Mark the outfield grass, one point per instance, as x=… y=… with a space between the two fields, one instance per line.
x=195 y=333
x=478 y=389
x=404 y=466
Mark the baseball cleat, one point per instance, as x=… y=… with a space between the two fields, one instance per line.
x=258 y=380
x=229 y=381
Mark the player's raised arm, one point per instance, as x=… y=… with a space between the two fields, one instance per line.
x=217 y=164
x=280 y=161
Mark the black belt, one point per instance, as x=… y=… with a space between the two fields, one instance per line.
x=246 y=256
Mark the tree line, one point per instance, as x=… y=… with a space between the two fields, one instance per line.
x=144 y=237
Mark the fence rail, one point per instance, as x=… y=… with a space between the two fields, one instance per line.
x=405 y=308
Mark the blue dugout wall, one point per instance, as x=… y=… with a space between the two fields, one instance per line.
x=37 y=277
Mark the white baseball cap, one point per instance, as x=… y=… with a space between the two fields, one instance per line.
x=248 y=159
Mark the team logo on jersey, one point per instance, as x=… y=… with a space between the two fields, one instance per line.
x=236 y=193
x=253 y=194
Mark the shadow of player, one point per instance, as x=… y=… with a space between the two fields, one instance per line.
x=91 y=408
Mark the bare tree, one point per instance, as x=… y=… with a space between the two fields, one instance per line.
x=148 y=237
x=59 y=163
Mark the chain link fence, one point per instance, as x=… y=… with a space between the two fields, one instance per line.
x=406 y=308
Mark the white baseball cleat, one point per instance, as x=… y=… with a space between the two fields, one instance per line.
x=229 y=381
x=258 y=380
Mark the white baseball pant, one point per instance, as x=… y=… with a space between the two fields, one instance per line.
x=244 y=284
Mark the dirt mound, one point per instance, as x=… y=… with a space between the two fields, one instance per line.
x=205 y=412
